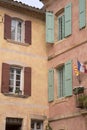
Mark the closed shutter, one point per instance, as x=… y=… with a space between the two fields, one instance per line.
x=5 y=78
x=27 y=81
x=82 y=13
x=7 y=27
x=50 y=85
x=68 y=78
x=49 y=27
x=28 y=32
x=68 y=23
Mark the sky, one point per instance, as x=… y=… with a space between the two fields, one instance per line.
x=33 y=3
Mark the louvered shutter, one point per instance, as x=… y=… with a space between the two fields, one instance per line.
x=68 y=78
x=68 y=22
x=27 y=81
x=28 y=32
x=50 y=85
x=7 y=27
x=5 y=78
x=82 y=13
x=49 y=27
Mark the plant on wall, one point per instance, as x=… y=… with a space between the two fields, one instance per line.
x=78 y=90
x=48 y=127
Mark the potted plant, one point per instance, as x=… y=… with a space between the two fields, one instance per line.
x=78 y=90
x=80 y=101
x=18 y=91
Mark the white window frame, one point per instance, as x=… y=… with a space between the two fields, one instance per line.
x=14 y=79
x=16 y=30
x=35 y=125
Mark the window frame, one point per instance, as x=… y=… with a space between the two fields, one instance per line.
x=17 y=21
x=61 y=78
x=14 y=79
x=61 y=33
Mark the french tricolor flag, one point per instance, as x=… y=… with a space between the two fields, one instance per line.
x=81 y=67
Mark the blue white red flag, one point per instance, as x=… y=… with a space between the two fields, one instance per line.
x=81 y=67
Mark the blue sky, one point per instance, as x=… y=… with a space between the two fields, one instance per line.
x=33 y=3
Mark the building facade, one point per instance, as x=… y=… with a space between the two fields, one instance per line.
x=66 y=30
x=23 y=67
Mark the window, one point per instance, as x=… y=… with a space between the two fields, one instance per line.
x=14 y=123
x=36 y=125
x=61 y=79
x=61 y=26
x=65 y=22
x=16 y=80
x=17 y=30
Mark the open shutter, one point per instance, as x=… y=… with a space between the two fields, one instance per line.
x=82 y=13
x=49 y=27
x=68 y=78
x=68 y=22
x=50 y=85
x=7 y=27
x=28 y=32
x=27 y=81
x=5 y=78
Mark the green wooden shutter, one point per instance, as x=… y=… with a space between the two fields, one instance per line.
x=68 y=78
x=49 y=27
x=50 y=85
x=82 y=13
x=68 y=26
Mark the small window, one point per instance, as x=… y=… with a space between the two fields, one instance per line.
x=15 y=82
x=61 y=26
x=16 y=30
x=61 y=79
x=13 y=123
x=36 y=125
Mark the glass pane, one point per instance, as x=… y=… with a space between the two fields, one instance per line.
x=11 y=76
x=12 y=70
x=17 y=83
x=10 y=89
x=13 y=29
x=11 y=82
x=19 y=25
x=18 y=71
x=17 y=77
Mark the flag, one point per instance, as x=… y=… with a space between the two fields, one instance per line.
x=76 y=70
x=81 y=67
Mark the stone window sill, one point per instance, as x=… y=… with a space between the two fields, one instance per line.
x=15 y=95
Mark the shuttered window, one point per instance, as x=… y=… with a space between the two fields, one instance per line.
x=13 y=81
x=61 y=27
x=61 y=81
x=65 y=80
x=82 y=13
x=17 y=30
x=50 y=85
x=49 y=27
x=65 y=22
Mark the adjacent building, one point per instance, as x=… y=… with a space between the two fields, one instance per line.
x=23 y=67
x=66 y=36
